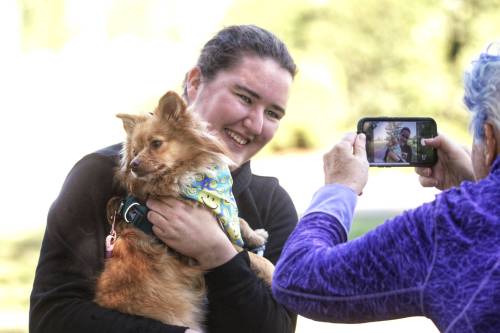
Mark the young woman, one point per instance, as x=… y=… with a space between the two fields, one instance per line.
x=240 y=86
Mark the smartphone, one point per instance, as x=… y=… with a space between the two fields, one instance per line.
x=398 y=141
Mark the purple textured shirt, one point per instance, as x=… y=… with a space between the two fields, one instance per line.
x=440 y=260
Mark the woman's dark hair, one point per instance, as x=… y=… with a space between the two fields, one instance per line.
x=405 y=129
x=228 y=46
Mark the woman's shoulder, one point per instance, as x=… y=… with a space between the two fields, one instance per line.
x=470 y=204
x=95 y=168
x=91 y=178
x=244 y=179
x=264 y=181
x=268 y=190
x=102 y=159
x=112 y=151
x=257 y=185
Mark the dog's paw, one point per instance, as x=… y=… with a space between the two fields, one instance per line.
x=262 y=235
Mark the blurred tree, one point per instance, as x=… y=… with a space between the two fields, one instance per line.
x=393 y=58
x=356 y=57
x=462 y=17
x=43 y=24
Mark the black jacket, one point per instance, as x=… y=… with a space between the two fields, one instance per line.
x=72 y=256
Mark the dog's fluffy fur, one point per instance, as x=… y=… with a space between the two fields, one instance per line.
x=163 y=152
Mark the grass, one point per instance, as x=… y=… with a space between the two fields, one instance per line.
x=19 y=258
x=367 y=220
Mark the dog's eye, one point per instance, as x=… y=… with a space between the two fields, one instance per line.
x=156 y=144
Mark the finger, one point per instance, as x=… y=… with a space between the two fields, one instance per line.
x=425 y=172
x=177 y=206
x=159 y=232
x=170 y=201
x=345 y=145
x=360 y=145
x=431 y=142
x=427 y=181
x=438 y=142
x=154 y=204
x=156 y=218
x=342 y=148
x=467 y=150
x=339 y=147
x=163 y=235
x=161 y=204
x=349 y=137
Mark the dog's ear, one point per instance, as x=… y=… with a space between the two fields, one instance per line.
x=171 y=106
x=112 y=209
x=129 y=122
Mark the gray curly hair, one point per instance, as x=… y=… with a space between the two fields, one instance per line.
x=482 y=90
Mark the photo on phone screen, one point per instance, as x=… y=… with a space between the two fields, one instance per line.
x=399 y=141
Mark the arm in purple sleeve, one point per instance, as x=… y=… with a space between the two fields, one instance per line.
x=378 y=276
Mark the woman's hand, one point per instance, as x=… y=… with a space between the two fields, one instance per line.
x=347 y=164
x=191 y=231
x=454 y=165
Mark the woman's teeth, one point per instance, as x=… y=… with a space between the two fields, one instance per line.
x=236 y=137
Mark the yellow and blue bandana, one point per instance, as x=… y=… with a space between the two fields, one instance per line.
x=214 y=191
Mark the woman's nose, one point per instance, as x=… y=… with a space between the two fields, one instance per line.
x=254 y=121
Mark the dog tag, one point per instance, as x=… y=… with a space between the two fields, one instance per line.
x=110 y=242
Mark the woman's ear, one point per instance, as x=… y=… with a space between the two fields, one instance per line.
x=193 y=81
x=490 y=144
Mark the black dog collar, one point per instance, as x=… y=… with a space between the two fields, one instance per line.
x=134 y=212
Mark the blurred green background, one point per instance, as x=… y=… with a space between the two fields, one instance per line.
x=355 y=57
x=69 y=65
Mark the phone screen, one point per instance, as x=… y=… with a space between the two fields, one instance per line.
x=399 y=141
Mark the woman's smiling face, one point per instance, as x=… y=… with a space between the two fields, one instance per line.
x=242 y=105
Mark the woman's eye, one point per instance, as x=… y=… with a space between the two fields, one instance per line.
x=156 y=144
x=273 y=114
x=245 y=98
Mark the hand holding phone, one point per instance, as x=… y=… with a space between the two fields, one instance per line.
x=346 y=163
x=399 y=141
x=453 y=167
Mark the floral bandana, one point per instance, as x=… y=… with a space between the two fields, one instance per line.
x=214 y=191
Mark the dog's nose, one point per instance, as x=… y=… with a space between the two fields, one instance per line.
x=134 y=165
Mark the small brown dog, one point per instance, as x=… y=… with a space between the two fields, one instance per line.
x=163 y=152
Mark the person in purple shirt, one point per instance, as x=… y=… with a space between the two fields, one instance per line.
x=440 y=260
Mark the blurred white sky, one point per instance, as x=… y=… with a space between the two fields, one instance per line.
x=58 y=105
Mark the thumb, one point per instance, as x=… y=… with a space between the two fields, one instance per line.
x=437 y=142
x=360 y=145
x=349 y=137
